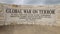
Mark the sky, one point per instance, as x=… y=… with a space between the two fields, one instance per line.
x=31 y=2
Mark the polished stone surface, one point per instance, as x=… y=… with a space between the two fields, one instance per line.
x=29 y=29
